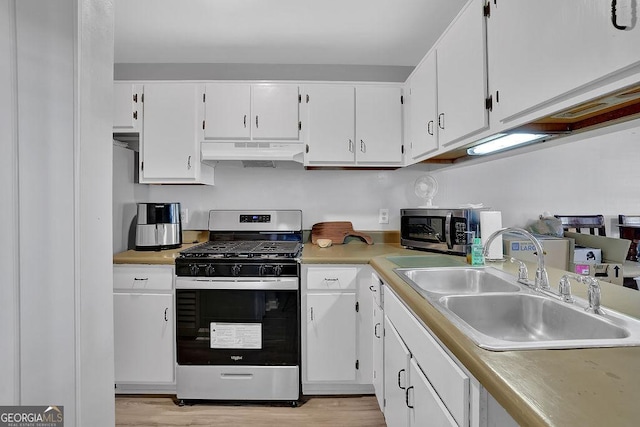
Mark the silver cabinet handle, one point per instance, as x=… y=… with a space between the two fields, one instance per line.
x=363 y=146
x=166 y=319
x=189 y=162
x=256 y=121
x=441 y=121
x=614 y=16
x=350 y=146
x=311 y=313
x=140 y=279
x=399 y=385
x=245 y=121
x=375 y=330
x=430 y=127
x=372 y=289
x=406 y=397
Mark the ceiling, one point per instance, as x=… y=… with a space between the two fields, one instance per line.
x=349 y=32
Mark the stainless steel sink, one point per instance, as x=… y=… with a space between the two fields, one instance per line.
x=518 y=321
x=457 y=280
x=498 y=313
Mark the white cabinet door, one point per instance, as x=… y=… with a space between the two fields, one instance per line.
x=396 y=377
x=170 y=148
x=275 y=112
x=127 y=107
x=422 y=134
x=462 y=76
x=227 y=111
x=378 y=125
x=578 y=47
x=331 y=337
x=426 y=408
x=330 y=124
x=378 y=354
x=143 y=338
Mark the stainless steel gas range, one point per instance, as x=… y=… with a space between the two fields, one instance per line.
x=238 y=309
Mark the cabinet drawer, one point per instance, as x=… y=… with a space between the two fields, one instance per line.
x=332 y=278
x=444 y=374
x=145 y=277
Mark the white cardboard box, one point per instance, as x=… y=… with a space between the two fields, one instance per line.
x=585 y=255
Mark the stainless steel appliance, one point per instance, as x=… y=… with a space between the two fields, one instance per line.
x=238 y=309
x=158 y=226
x=439 y=230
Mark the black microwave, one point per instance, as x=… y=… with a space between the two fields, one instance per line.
x=439 y=230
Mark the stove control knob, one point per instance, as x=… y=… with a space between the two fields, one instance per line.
x=193 y=269
x=277 y=270
x=235 y=270
x=209 y=270
x=262 y=270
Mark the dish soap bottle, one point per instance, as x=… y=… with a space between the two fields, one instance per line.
x=477 y=252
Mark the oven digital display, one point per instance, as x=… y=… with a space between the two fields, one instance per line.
x=255 y=218
x=236 y=335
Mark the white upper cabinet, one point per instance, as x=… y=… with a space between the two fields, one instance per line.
x=422 y=103
x=462 y=76
x=127 y=107
x=353 y=125
x=330 y=123
x=546 y=51
x=227 y=111
x=378 y=125
x=275 y=112
x=170 y=148
x=267 y=112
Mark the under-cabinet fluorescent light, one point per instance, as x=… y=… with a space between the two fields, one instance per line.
x=503 y=141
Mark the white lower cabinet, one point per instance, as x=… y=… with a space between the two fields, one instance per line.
x=144 y=339
x=424 y=385
x=336 y=329
x=378 y=353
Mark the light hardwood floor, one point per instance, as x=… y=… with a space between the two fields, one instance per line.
x=314 y=411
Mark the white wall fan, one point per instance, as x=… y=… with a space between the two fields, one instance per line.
x=426 y=187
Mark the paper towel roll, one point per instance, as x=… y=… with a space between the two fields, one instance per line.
x=491 y=221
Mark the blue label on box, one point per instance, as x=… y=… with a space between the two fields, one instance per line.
x=522 y=246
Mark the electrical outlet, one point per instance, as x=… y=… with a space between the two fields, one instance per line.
x=184 y=216
x=383 y=216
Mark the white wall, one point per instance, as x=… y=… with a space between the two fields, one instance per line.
x=580 y=175
x=57 y=333
x=576 y=175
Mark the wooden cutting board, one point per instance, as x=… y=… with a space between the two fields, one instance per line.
x=337 y=232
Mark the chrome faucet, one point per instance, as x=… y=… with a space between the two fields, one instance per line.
x=593 y=291
x=541 y=282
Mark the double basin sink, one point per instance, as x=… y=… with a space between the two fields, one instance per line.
x=498 y=313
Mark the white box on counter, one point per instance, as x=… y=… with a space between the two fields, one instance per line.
x=586 y=255
x=558 y=250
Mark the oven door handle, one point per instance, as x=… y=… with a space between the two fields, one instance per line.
x=200 y=283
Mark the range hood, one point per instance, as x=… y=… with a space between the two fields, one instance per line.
x=614 y=108
x=252 y=151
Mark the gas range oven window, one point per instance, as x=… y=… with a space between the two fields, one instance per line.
x=237 y=327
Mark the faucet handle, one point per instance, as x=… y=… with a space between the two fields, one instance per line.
x=593 y=294
x=564 y=289
x=523 y=274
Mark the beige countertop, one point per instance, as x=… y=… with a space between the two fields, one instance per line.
x=189 y=239
x=581 y=387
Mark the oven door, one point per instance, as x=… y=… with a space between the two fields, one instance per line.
x=238 y=322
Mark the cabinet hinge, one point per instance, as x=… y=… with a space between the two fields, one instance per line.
x=203 y=125
x=307 y=98
x=307 y=150
x=299 y=99
x=401 y=99
x=141 y=166
x=357 y=307
x=204 y=97
x=357 y=364
x=486 y=10
x=299 y=125
x=402 y=148
x=488 y=103
x=142 y=98
x=135 y=115
x=135 y=97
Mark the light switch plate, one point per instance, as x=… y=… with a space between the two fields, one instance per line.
x=383 y=216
